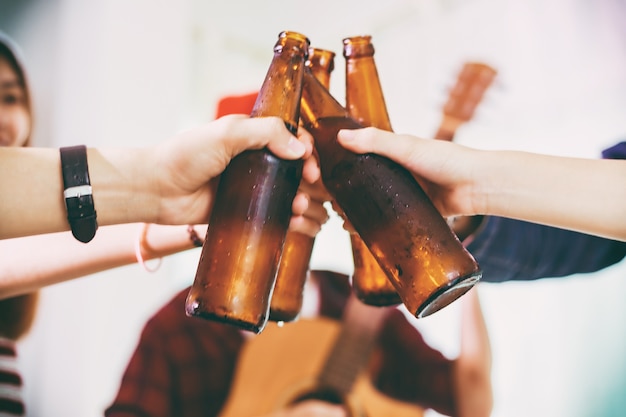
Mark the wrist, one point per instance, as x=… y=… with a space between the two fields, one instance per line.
x=194 y=238
x=123 y=186
x=156 y=241
x=487 y=182
x=144 y=251
x=164 y=240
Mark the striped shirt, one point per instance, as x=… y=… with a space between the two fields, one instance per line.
x=11 y=402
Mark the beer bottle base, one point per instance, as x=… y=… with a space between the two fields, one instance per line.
x=380 y=300
x=448 y=294
x=284 y=316
x=223 y=318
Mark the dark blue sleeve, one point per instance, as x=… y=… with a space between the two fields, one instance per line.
x=512 y=250
x=617 y=151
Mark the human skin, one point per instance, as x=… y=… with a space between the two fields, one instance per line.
x=584 y=195
x=171 y=183
x=60 y=256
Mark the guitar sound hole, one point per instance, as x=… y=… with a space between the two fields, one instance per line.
x=323 y=394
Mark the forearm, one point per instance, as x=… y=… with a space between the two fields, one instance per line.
x=30 y=263
x=33 y=202
x=509 y=249
x=472 y=369
x=124 y=187
x=585 y=195
x=26 y=190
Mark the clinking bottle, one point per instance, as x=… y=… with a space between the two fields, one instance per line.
x=412 y=242
x=366 y=104
x=237 y=269
x=288 y=294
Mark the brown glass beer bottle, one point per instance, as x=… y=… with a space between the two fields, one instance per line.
x=428 y=265
x=293 y=269
x=237 y=268
x=322 y=63
x=366 y=104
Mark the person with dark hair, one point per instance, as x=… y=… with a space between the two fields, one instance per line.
x=16 y=313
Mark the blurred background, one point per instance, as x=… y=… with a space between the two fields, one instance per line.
x=135 y=72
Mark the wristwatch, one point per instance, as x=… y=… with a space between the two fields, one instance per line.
x=81 y=212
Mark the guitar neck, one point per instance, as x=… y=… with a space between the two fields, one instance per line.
x=470 y=87
x=351 y=351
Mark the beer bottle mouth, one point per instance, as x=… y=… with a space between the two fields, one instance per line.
x=321 y=57
x=358 y=46
x=287 y=37
x=448 y=294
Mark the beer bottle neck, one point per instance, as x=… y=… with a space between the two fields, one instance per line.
x=281 y=90
x=317 y=102
x=364 y=96
x=322 y=64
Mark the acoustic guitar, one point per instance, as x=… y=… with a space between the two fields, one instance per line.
x=317 y=358
x=472 y=82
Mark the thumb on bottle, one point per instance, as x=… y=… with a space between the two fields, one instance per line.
x=363 y=140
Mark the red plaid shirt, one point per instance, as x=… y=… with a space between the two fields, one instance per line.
x=183 y=366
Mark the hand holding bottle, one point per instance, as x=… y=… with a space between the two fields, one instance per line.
x=240 y=256
x=389 y=210
x=436 y=164
x=557 y=191
x=170 y=183
x=201 y=154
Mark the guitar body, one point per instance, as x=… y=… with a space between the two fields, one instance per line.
x=282 y=364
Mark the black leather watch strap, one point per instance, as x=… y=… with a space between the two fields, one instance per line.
x=81 y=212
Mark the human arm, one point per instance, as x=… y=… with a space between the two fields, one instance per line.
x=509 y=249
x=405 y=367
x=60 y=257
x=42 y=260
x=171 y=183
x=585 y=195
x=472 y=367
x=516 y=250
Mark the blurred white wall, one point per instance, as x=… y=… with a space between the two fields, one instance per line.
x=134 y=72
